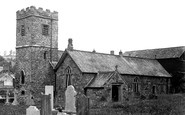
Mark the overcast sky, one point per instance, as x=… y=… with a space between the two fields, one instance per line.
x=105 y=25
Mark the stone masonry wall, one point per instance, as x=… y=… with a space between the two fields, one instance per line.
x=34 y=50
x=79 y=80
x=102 y=97
x=33 y=32
x=36 y=69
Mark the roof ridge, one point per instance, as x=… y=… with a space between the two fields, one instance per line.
x=156 y=49
x=106 y=71
x=137 y=57
x=93 y=52
x=111 y=54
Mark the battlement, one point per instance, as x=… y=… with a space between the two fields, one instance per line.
x=33 y=11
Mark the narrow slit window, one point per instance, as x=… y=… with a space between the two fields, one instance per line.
x=154 y=90
x=45 y=55
x=22 y=77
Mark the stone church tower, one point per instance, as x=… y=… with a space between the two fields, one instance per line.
x=36 y=48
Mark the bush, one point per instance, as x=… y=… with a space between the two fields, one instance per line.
x=142 y=97
x=152 y=96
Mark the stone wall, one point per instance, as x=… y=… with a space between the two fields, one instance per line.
x=102 y=97
x=38 y=71
x=79 y=80
x=33 y=32
x=34 y=50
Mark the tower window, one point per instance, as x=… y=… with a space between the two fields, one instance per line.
x=45 y=30
x=23 y=30
x=22 y=77
x=68 y=76
x=154 y=90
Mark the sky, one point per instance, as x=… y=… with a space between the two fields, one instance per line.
x=105 y=25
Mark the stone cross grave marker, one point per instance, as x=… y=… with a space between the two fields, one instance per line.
x=70 y=94
x=29 y=100
x=49 y=90
x=15 y=102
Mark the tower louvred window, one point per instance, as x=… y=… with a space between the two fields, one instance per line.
x=45 y=29
x=23 y=32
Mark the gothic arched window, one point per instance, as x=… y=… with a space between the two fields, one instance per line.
x=68 y=76
x=22 y=77
x=136 y=85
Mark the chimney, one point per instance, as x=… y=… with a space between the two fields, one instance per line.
x=112 y=52
x=94 y=51
x=120 y=53
x=70 y=44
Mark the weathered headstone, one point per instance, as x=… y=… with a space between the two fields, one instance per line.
x=7 y=97
x=49 y=90
x=70 y=94
x=15 y=102
x=29 y=100
x=82 y=104
x=46 y=105
x=61 y=113
x=32 y=110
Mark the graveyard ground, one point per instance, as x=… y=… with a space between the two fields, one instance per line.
x=12 y=109
x=164 y=105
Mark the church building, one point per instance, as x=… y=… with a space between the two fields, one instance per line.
x=104 y=78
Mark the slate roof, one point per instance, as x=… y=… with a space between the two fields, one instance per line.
x=103 y=78
x=90 y=62
x=100 y=79
x=172 y=52
x=60 y=52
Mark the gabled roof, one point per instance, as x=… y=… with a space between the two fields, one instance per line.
x=4 y=76
x=102 y=78
x=90 y=62
x=162 y=53
x=53 y=64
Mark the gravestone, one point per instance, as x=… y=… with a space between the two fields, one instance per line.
x=15 y=102
x=46 y=105
x=49 y=90
x=70 y=106
x=32 y=110
x=82 y=104
x=61 y=113
x=7 y=97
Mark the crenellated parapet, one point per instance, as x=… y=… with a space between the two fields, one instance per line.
x=33 y=11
